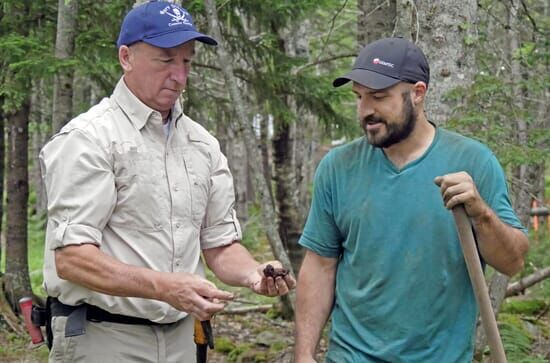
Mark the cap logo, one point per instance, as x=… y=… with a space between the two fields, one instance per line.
x=178 y=17
x=382 y=63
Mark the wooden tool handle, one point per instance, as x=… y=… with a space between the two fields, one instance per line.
x=478 y=283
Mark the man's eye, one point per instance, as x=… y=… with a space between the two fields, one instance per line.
x=166 y=60
x=377 y=96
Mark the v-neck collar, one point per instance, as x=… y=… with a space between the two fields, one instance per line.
x=412 y=163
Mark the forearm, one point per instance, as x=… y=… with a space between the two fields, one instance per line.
x=88 y=266
x=314 y=300
x=232 y=264
x=502 y=246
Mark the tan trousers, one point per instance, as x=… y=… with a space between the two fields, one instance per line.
x=111 y=342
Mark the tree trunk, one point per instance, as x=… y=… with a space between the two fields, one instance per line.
x=237 y=158
x=444 y=31
x=254 y=159
x=288 y=156
x=2 y=163
x=310 y=137
x=41 y=136
x=67 y=15
x=497 y=293
x=266 y=151
x=286 y=193
x=17 y=281
x=35 y=181
x=375 y=20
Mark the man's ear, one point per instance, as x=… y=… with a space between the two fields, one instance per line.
x=419 y=90
x=125 y=58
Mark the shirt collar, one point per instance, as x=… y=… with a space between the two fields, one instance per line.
x=138 y=112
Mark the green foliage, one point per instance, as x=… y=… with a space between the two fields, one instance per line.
x=537 y=258
x=234 y=354
x=24 y=49
x=224 y=345
x=283 y=79
x=515 y=338
x=273 y=313
x=488 y=114
x=36 y=237
x=253 y=233
x=278 y=346
x=496 y=102
x=95 y=44
x=529 y=307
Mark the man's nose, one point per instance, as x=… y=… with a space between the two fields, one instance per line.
x=180 y=74
x=364 y=109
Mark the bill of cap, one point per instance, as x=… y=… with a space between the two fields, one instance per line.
x=366 y=78
x=174 y=39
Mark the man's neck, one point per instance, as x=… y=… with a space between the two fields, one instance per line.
x=166 y=116
x=413 y=146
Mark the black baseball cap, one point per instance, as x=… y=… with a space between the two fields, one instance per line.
x=386 y=62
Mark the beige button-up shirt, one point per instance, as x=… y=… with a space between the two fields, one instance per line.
x=114 y=179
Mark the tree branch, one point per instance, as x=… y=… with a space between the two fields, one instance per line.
x=528 y=281
x=325 y=60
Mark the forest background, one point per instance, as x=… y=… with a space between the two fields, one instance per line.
x=265 y=92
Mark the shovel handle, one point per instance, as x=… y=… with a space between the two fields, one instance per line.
x=477 y=278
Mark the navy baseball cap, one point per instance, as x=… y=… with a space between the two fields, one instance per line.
x=386 y=62
x=162 y=24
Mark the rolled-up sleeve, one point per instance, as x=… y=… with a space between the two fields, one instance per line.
x=80 y=189
x=221 y=226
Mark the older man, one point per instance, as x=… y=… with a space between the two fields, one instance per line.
x=136 y=191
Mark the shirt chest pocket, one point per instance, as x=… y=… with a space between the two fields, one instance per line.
x=197 y=165
x=199 y=198
x=138 y=180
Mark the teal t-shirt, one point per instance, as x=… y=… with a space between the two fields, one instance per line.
x=402 y=289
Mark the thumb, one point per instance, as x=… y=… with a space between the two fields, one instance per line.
x=210 y=291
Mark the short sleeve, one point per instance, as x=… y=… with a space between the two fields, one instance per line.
x=493 y=189
x=321 y=234
x=80 y=189
x=221 y=226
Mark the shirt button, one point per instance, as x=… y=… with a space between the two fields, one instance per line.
x=178 y=225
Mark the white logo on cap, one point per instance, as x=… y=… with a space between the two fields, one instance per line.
x=382 y=63
x=178 y=16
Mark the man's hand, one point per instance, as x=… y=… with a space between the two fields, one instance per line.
x=271 y=279
x=459 y=188
x=88 y=266
x=194 y=295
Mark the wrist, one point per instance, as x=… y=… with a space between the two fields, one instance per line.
x=253 y=278
x=483 y=218
x=304 y=352
x=305 y=357
x=158 y=284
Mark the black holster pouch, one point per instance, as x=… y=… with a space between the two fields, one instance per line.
x=42 y=316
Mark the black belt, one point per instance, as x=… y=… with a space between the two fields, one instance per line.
x=77 y=314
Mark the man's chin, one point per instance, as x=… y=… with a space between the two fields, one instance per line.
x=374 y=140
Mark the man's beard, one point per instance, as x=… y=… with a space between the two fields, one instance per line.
x=395 y=132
